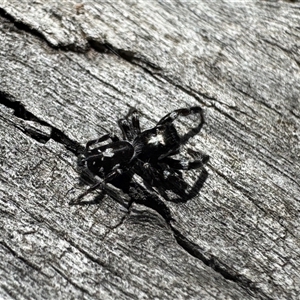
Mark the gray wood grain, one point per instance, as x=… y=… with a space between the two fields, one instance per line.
x=61 y=84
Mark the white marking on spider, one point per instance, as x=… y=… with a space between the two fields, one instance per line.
x=157 y=139
x=184 y=164
x=146 y=165
x=173 y=115
x=166 y=174
x=109 y=152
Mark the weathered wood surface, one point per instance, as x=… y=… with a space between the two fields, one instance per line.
x=60 y=86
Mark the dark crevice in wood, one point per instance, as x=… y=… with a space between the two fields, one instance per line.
x=219 y=267
x=58 y=136
x=127 y=55
x=33 y=133
x=155 y=72
x=104 y=47
x=141 y=195
x=107 y=47
x=265 y=104
x=89 y=255
x=22 y=113
x=274 y=44
x=22 y=26
x=189 y=91
x=152 y=70
x=34 y=32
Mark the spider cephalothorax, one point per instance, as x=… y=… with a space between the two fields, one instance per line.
x=144 y=152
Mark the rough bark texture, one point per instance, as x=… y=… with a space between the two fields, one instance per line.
x=68 y=71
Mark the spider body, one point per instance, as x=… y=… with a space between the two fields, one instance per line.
x=102 y=160
x=145 y=152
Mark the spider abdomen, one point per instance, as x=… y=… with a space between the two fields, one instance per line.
x=103 y=159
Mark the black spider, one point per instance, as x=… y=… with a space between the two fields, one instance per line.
x=147 y=153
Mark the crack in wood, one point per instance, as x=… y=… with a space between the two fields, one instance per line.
x=140 y=195
x=22 y=113
x=34 y=32
x=23 y=26
x=214 y=263
x=147 y=200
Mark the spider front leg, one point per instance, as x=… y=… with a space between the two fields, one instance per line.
x=113 y=174
x=185 y=164
x=171 y=117
x=130 y=130
x=103 y=138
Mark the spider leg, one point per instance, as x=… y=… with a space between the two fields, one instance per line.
x=169 y=153
x=103 y=138
x=172 y=116
x=184 y=164
x=113 y=174
x=162 y=177
x=135 y=122
x=130 y=130
x=146 y=171
x=126 y=129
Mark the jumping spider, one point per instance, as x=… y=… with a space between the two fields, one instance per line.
x=147 y=153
